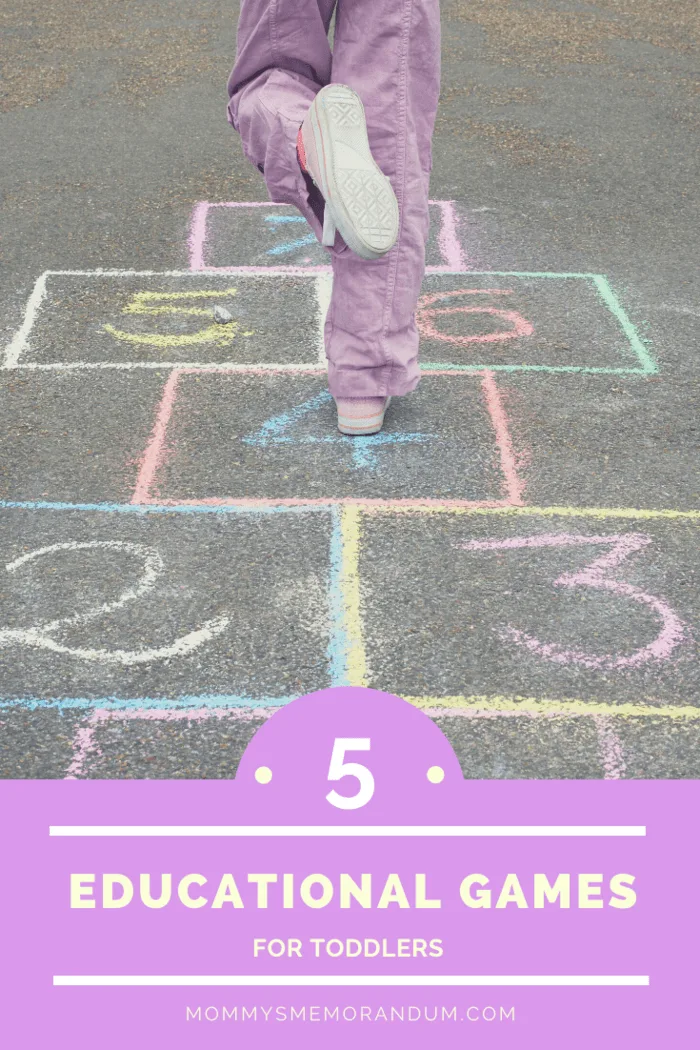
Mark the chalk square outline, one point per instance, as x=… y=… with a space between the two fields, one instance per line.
x=350 y=661
x=358 y=672
x=11 y=358
x=346 y=648
x=448 y=238
x=152 y=457
x=85 y=745
x=19 y=343
x=646 y=363
x=335 y=640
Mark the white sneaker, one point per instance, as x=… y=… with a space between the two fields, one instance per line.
x=333 y=148
x=361 y=415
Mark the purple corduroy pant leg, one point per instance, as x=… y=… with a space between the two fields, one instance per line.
x=389 y=52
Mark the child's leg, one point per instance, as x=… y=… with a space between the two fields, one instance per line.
x=389 y=52
x=283 y=58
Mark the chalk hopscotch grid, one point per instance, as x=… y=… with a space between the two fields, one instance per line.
x=154 y=454
x=603 y=714
x=321 y=277
x=86 y=745
x=646 y=363
x=347 y=659
x=346 y=647
x=20 y=342
x=449 y=241
x=346 y=652
x=347 y=656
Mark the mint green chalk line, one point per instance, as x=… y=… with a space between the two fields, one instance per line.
x=507 y=273
x=432 y=366
x=615 y=307
x=649 y=365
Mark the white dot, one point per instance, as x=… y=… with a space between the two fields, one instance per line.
x=263 y=775
x=436 y=774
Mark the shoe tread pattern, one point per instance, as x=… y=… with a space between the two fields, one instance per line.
x=343 y=113
x=370 y=202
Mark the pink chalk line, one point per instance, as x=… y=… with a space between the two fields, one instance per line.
x=198 y=233
x=515 y=487
x=85 y=745
x=424 y=317
x=155 y=453
x=448 y=238
x=673 y=631
x=609 y=746
x=611 y=753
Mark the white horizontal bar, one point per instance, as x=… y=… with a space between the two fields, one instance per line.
x=349 y=831
x=355 y=981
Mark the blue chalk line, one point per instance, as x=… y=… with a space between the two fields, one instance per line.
x=274 y=431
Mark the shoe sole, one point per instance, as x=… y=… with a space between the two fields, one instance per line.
x=354 y=427
x=358 y=195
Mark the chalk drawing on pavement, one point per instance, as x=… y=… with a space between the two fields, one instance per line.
x=427 y=312
x=440 y=313
x=156 y=304
x=227 y=235
x=280 y=430
x=41 y=636
x=548 y=322
x=274 y=222
x=672 y=630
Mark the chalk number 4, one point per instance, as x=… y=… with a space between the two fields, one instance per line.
x=339 y=769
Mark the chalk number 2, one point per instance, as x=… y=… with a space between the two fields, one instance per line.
x=339 y=769
x=41 y=636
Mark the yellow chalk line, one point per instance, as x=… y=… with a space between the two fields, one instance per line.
x=213 y=334
x=141 y=303
x=544 y=512
x=135 y=304
x=356 y=661
x=529 y=705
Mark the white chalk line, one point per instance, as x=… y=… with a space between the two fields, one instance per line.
x=306 y=271
x=201 y=275
x=125 y=658
x=20 y=340
x=322 y=278
x=199 y=366
x=40 y=637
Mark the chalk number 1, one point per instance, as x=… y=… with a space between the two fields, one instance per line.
x=339 y=769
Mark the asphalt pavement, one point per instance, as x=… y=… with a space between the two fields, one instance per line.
x=186 y=543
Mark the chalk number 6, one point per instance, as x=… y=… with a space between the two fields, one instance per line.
x=339 y=769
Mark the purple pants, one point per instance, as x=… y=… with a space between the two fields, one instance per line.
x=389 y=52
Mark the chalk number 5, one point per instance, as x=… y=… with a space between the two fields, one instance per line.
x=339 y=769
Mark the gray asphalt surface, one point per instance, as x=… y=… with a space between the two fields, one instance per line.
x=567 y=137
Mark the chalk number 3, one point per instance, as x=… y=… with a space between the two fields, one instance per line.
x=339 y=769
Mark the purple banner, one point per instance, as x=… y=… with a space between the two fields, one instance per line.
x=349 y=885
